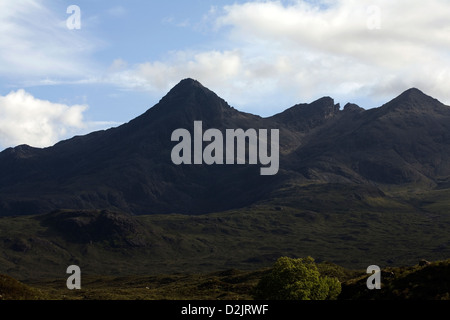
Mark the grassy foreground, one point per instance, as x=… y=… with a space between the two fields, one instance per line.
x=428 y=281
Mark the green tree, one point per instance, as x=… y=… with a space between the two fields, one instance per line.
x=297 y=279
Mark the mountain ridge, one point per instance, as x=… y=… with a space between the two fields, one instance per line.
x=128 y=168
x=355 y=187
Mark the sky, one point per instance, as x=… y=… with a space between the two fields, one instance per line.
x=72 y=67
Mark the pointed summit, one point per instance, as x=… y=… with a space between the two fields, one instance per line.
x=414 y=99
x=415 y=95
x=189 y=82
x=186 y=85
x=189 y=90
x=191 y=100
x=413 y=92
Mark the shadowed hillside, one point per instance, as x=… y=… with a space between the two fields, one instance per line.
x=404 y=143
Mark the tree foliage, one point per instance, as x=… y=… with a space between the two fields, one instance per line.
x=297 y=279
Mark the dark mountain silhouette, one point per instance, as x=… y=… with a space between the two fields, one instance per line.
x=404 y=141
x=304 y=117
x=129 y=168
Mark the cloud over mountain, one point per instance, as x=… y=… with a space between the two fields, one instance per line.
x=40 y=123
x=261 y=55
x=286 y=51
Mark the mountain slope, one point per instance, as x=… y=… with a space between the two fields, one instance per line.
x=129 y=168
x=404 y=141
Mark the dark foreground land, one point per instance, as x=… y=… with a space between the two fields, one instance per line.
x=355 y=188
x=424 y=281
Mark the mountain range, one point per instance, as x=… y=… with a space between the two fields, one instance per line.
x=355 y=187
x=405 y=142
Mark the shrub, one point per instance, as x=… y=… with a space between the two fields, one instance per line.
x=11 y=289
x=296 y=279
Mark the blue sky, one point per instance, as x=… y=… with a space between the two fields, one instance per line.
x=260 y=56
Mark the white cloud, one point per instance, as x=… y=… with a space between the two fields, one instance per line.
x=35 y=42
x=214 y=66
x=264 y=56
x=277 y=53
x=348 y=48
x=39 y=123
